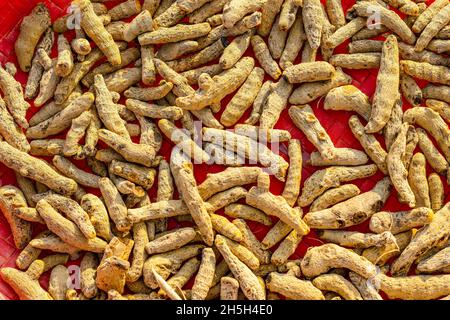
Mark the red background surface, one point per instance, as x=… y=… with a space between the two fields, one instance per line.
x=335 y=123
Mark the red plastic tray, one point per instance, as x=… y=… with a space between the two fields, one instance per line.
x=335 y=123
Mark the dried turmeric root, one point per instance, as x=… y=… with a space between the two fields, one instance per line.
x=32 y=28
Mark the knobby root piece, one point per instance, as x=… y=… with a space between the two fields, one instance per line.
x=32 y=28
x=35 y=169
x=182 y=171
x=352 y=211
x=93 y=26
x=440 y=20
x=400 y=221
x=415 y=287
x=324 y=179
x=294 y=42
x=304 y=118
x=319 y=260
x=366 y=288
x=205 y=275
x=248 y=281
x=213 y=90
x=293 y=288
x=274 y=105
x=246 y=212
x=417 y=180
x=174 y=34
x=433 y=124
x=370 y=144
x=348 y=98
x=388 y=81
x=263 y=56
x=67 y=230
x=243 y=98
x=64 y=64
x=116 y=207
x=291 y=189
x=13 y=96
x=171 y=241
x=436 y=191
x=397 y=170
x=334 y=196
x=337 y=283
x=309 y=92
x=10 y=131
x=342 y=157
x=426 y=71
x=428 y=236
x=98 y=214
x=11 y=199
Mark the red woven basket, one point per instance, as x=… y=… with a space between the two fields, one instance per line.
x=335 y=123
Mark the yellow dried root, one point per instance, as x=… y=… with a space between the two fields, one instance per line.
x=248 y=148
x=243 y=98
x=35 y=169
x=147 y=94
x=167 y=263
x=294 y=42
x=345 y=32
x=248 y=281
x=369 y=60
x=264 y=57
x=291 y=189
x=397 y=169
x=182 y=171
x=293 y=288
x=13 y=96
x=331 y=177
x=438 y=21
x=26 y=284
x=388 y=81
x=370 y=144
x=74 y=212
x=235 y=50
x=93 y=26
x=128 y=56
x=67 y=230
x=430 y=120
x=286 y=248
x=361 y=46
x=71 y=171
x=352 y=211
x=321 y=259
x=88 y=267
x=342 y=157
x=193 y=75
x=438 y=92
x=11 y=199
x=224 y=198
x=308 y=92
x=98 y=214
x=213 y=90
x=436 y=262
x=271 y=204
x=388 y=18
x=132 y=152
x=111 y=272
x=353 y=239
x=430 y=235
x=10 y=131
x=229 y=288
x=76 y=133
x=334 y=196
x=415 y=287
x=304 y=118
x=309 y=72
x=436 y=191
x=246 y=212
x=441 y=107
x=57 y=284
x=366 y=287
x=337 y=283
x=137 y=174
x=426 y=71
x=61 y=120
x=171 y=241
x=417 y=180
x=116 y=207
x=276 y=102
x=32 y=27
x=313 y=21
x=348 y=98
x=204 y=277
x=235 y=10
x=177 y=33
x=400 y=221
x=64 y=64
x=277 y=40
